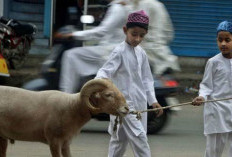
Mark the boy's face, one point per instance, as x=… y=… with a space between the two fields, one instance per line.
x=134 y=35
x=224 y=41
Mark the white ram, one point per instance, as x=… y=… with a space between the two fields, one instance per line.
x=54 y=117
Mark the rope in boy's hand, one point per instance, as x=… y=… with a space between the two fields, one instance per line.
x=138 y=113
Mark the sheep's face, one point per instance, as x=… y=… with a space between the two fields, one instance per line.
x=110 y=101
x=102 y=96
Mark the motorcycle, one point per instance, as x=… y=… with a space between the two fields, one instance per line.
x=3 y=67
x=15 y=41
x=166 y=87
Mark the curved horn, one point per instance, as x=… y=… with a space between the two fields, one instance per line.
x=90 y=87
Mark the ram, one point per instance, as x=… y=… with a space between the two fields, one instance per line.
x=54 y=117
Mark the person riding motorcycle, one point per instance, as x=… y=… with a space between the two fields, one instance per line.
x=159 y=37
x=85 y=61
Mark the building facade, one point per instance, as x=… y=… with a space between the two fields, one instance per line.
x=195 y=21
x=1 y=7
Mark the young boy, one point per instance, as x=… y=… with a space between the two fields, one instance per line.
x=217 y=83
x=129 y=69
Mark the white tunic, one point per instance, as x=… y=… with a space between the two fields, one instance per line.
x=217 y=83
x=110 y=29
x=129 y=69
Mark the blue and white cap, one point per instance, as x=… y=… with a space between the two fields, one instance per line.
x=225 y=26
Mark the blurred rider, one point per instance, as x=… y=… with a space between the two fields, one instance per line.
x=85 y=61
x=160 y=35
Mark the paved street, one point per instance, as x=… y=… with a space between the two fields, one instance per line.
x=183 y=137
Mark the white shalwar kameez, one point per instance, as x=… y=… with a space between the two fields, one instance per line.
x=129 y=69
x=216 y=84
x=85 y=61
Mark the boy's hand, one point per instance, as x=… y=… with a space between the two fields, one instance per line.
x=159 y=112
x=198 y=101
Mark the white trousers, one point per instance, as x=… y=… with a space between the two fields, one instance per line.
x=215 y=144
x=80 y=62
x=139 y=144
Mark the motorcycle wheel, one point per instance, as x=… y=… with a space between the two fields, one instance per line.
x=156 y=124
x=3 y=80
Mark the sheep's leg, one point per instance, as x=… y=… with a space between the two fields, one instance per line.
x=66 y=149
x=55 y=148
x=3 y=147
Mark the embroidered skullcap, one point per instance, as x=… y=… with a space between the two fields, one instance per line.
x=138 y=18
x=225 y=26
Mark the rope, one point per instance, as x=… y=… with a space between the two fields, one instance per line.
x=117 y=120
x=138 y=113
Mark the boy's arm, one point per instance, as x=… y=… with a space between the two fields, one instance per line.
x=148 y=82
x=206 y=86
x=110 y=67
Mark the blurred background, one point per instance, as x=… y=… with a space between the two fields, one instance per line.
x=194 y=22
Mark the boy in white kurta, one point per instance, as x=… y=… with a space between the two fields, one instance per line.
x=217 y=83
x=129 y=69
